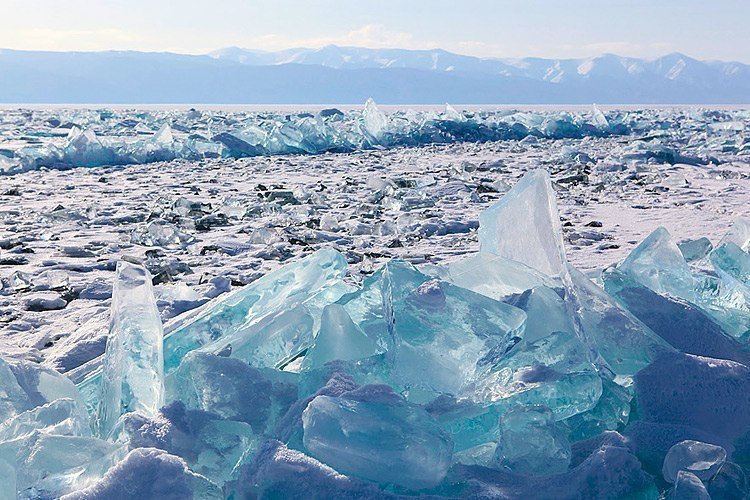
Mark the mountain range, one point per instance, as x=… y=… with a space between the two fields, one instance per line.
x=338 y=75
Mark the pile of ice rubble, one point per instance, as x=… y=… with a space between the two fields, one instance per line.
x=508 y=374
x=94 y=138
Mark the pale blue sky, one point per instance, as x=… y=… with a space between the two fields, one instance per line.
x=705 y=29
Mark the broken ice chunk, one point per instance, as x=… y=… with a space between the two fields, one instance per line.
x=375 y=122
x=338 y=338
x=525 y=226
x=554 y=371
x=276 y=301
x=277 y=471
x=611 y=412
x=446 y=336
x=133 y=364
x=371 y=307
x=658 y=264
x=211 y=446
x=232 y=389
x=85 y=150
x=702 y=459
x=531 y=442
x=622 y=341
x=739 y=234
x=694 y=250
x=681 y=324
x=546 y=312
x=731 y=261
x=64 y=417
x=25 y=385
x=688 y=487
x=159 y=233
x=49 y=466
x=374 y=434
x=495 y=277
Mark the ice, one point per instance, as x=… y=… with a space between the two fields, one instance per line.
x=494 y=276
x=719 y=385
x=593 y=478
x=730 y=482
x=211 y=446
x=269 y=322
x=695 y=250
x=161 y=234
x=689 y=487
x=446 y=337
x=702 y=459
x=682 y=325
x=546 y=312
x=8 y=486
x=546 y=374
x=554 y=371
x=49 y=465
x=133 y=365
x=374 y=434
x=25 y=386
x=62 y=417
x=113 y=138
x=625 y=343
x=375 y=122
x=531 y=442
x=232 y=389
x=658 y=263
x=338 y=338
x=149 y=473
x=525 y=226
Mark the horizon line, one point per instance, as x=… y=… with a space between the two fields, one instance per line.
x=263 y=51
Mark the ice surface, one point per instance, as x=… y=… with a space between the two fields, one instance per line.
x=658 y=263
x=374 y=434
x=623 y=342
x=133 y=365
x=531 y=442
x=267 y=323
x=702 y=459
x=554 y=371
x=25 y=386
x=338 y=338
x=689 y=487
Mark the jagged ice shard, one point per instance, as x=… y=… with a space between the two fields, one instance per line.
x=133 y=365
x=267 y=323
x=525 y=226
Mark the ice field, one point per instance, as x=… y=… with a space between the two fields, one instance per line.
x=371 y=304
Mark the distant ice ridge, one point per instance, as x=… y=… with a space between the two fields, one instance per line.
x=96 y=138
x=507 y=374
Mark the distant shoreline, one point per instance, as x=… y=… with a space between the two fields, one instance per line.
x=261 y=108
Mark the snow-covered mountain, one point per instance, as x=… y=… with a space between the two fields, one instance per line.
x=335 y=74
x=674 y=67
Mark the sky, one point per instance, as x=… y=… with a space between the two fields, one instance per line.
x=704 y=29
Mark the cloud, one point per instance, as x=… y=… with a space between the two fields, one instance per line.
x=58 y=39
x=374 y=36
